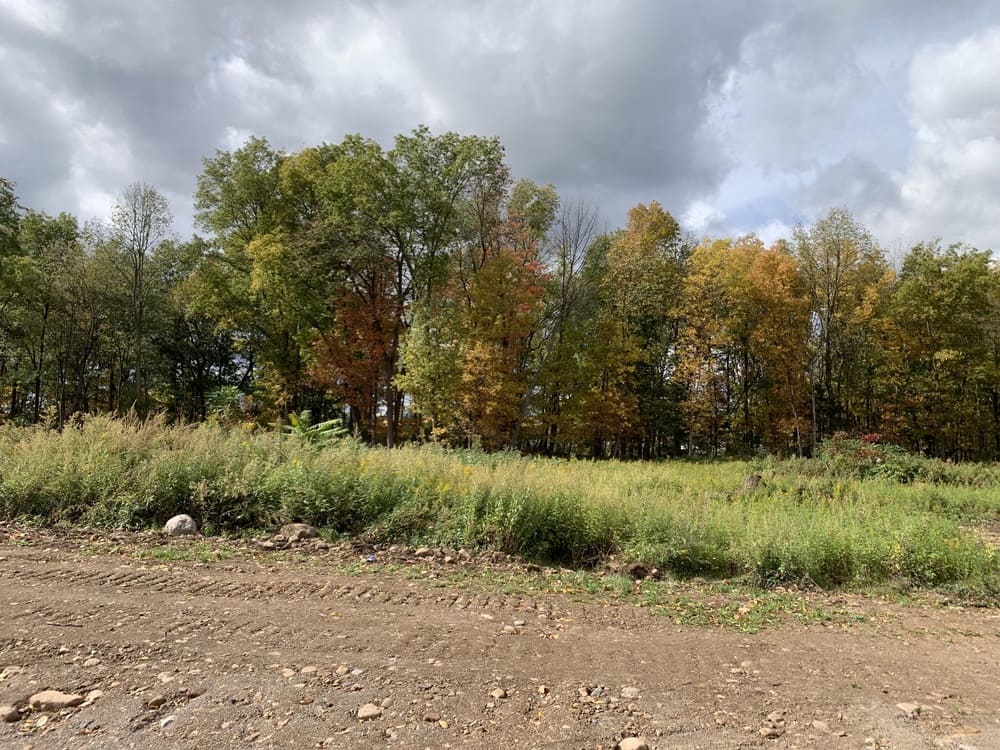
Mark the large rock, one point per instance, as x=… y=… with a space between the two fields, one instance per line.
x=181 y=525
x=9 y=714
x=633 y=743
x=53 y=700
x=296 y=532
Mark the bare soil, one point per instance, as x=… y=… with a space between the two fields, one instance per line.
x=281 y=650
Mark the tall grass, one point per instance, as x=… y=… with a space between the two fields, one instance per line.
x=690 y=518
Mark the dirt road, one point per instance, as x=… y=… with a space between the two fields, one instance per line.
x=282 y=650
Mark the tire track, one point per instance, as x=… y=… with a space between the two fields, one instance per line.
x=240 y=586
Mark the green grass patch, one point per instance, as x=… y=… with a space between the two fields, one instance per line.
x=810 y=520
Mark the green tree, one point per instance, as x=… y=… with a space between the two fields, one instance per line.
x=847 y=278
x=140 y=221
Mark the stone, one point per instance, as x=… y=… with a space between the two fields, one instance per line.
x=9 y=714
x=632 y=743
x=180 y=525
x=911 y=710
x=166 y=721
x=636 y=571
x=296 y=532
x=156 y=702
x=423 y=552
x=53 y=700
x=498 y=694
x=630 y=693
x=821 y=726
x=369 y=711
x=93 y=661
x=771 y=732
x=94 y=695
x=432 y=717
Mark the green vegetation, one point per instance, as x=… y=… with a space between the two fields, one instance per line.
x=808 y=520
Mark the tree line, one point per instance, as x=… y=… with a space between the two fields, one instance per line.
x=422 y=293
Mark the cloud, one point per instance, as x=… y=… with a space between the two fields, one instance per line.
x=951 y=183
x=760 y=116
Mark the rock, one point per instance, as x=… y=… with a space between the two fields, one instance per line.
x=268 y=544
x=774 y=725
x=296 y=532
x=464 y=555
x=166 y=721
x=180 y=526
x=369 y=711
x=10 y=672
x=636 y=571
x=155 y=702
x=912 y=710
x=53 y=700
x=9 y=714
x=432 y=716
x=630 y=693
x=93 y=661
x=509 y=630
x=308 y=670
x=423 y=552
x=498 y=694
x=94 y=695
x=632 y=743
x=821 y=726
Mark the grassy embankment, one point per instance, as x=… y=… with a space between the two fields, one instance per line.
x=858 y=517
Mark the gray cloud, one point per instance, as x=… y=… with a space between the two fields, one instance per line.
x=705 y=107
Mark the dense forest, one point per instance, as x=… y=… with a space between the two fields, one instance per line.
x=422 y=293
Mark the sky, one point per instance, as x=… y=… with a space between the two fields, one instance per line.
x=737 y=116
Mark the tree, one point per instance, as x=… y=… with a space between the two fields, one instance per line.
x=744 y=348
x=139 y=222
x=645 y=272
x=847 y=278
x=942 y=383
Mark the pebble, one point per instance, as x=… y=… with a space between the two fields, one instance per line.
x=423 y=552
x=53 y=700
x=308 y=670
x=166 y=721
x=632 y=743
x=630 y=693
x=821 y=726
x=93 y=661
x=912 y=710
x=93 y=695
x=369 y=711
x=9 y=714
x=498 y=694
x=432 y=716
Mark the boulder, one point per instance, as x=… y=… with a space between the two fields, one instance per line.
x=296 y=532
x=181 y=525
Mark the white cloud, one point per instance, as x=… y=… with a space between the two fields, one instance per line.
x=700 y=215
x=951 y=186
